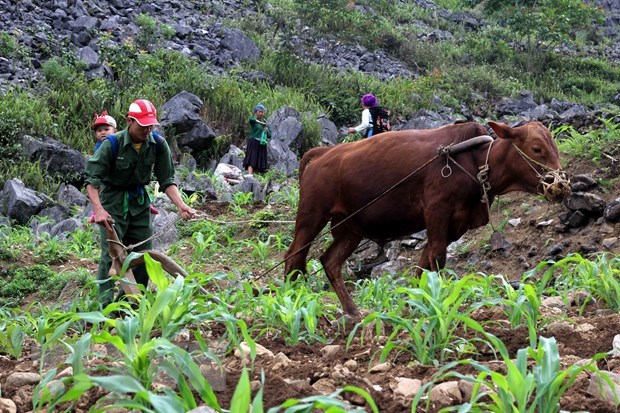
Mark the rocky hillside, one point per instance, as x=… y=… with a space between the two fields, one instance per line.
x=209 y=33
x=206 y=31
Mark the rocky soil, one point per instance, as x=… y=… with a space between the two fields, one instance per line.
x=302 y=370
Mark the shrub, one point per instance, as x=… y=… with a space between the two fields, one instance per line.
x=9 y=48
x=25 y=280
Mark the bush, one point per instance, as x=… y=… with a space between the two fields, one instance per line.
x=25 y=280
x=9 y=48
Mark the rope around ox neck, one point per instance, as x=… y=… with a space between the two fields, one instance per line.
x=559 y=185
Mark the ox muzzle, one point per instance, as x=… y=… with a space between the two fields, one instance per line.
x=555 y=185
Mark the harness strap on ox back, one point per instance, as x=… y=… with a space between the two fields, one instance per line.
x=482 y=177
x=456 y=148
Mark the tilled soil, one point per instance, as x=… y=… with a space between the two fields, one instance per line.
x=308 y=369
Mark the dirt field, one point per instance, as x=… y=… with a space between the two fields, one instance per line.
x=311 y=369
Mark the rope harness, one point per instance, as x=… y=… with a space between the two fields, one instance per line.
x=157 y=234
x=483 y=171
x=555 y=183
x=173 y=222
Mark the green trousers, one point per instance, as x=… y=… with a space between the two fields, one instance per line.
x=130 y=230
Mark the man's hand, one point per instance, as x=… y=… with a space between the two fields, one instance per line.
x=174 y=195
x=187 y=212
x=101 y=217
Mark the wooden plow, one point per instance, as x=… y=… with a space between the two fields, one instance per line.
x=118 y=253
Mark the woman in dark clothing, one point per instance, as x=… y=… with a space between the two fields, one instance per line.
x=256 y=151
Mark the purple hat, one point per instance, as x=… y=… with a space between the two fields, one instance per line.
x=369 y=100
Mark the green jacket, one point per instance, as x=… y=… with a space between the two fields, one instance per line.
x=121 y=182
x=256 y=129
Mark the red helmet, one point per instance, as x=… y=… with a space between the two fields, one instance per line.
x=144 y=112
x=103 y=119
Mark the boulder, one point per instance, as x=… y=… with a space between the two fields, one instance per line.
x=18 y=202
x=56 y=157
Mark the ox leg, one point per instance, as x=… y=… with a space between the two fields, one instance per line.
x=423 y=263
x=307 y=227
x=432 y=259
x=333 y=258
x=434 y=254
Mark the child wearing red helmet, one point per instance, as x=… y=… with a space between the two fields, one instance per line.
x=104 y=125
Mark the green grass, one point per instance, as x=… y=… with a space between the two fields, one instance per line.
x=482 y=68
x=22 y=281
x=592 y=145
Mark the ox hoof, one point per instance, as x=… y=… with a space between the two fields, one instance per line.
x=348 y=320
x=515 y=284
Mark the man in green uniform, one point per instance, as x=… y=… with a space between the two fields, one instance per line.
x=115 y=179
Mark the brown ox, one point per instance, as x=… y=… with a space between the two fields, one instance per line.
x=347 y=185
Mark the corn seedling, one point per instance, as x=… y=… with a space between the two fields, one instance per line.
x=287 y=195
x=83 y=243
x=143 y=357
x=282 y=241
x=12 y=339
x=332 y=403
x=598 y=276
x=242 y=398
x=132 y=387
x=438 y=304
x=50 y=250
x=381 y=294
x=523 y=305
x=294 y=310
x=533 y=382
x=203 y=245
x=51 y=326
x=243 y=198
x=170 y=306
x=260 y=249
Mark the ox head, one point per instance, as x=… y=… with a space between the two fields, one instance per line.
x=540 y=154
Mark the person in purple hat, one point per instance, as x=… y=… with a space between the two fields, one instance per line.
x=365 y=128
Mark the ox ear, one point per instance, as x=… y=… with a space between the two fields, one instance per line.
x=501 y=130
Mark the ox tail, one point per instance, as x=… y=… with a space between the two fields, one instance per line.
x=311 y=155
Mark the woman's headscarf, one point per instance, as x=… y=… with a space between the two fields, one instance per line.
x=369 y=100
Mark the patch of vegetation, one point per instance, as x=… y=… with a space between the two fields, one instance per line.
x=592 y=145
x=485 y=66
x=152 y=32
x=263 y=215
x=22 y=281
x=421 y=318
x=10 y=48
